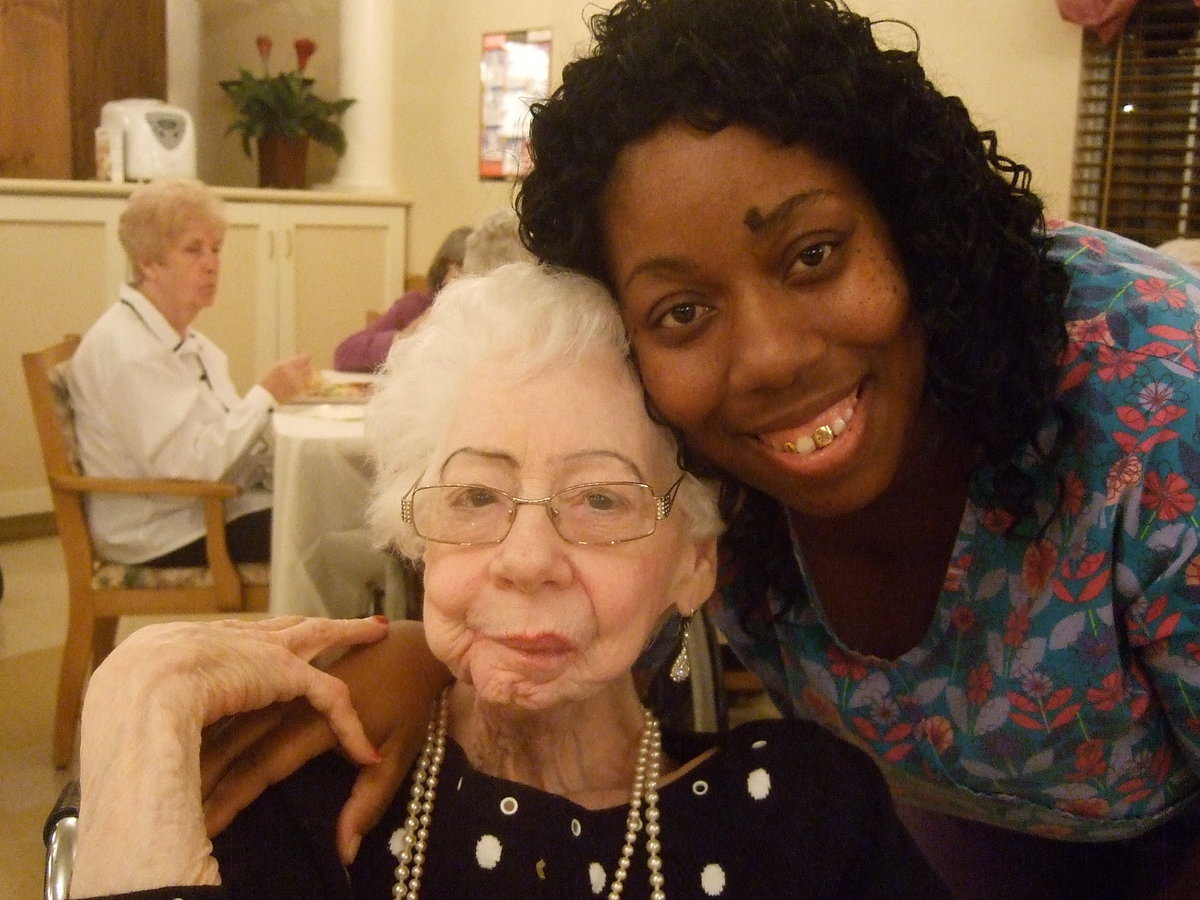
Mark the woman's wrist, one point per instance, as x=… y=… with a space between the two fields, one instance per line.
x=141 y=823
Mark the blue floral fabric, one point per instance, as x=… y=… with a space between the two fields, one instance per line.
x=1057 y=690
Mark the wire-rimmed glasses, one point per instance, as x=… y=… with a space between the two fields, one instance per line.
x=599 y=512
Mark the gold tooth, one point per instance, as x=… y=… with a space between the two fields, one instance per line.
x=823 y=436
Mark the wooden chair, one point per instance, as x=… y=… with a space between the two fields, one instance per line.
x=100 y=592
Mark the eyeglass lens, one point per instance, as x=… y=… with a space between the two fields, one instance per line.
x=607 y=512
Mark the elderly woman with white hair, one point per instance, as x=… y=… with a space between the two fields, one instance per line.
x=516 y=460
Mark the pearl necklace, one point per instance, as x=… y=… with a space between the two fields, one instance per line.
x=415 y=839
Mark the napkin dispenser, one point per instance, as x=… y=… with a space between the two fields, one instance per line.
x=141 y=139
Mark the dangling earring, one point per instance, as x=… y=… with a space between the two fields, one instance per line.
x=681 y=668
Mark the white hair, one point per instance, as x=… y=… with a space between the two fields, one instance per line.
x=514 y=322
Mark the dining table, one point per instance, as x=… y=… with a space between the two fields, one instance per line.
x=323 y=560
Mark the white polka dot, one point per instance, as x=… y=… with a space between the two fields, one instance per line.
x=597 y=877
x=576 y=828
x=699 y=788
x=487 y=851
x=712 y=879
x=758 y=745
x=509 y=805
x=758 y=784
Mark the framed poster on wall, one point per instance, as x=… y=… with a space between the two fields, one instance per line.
x=515 y=71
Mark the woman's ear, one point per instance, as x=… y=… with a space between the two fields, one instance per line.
x=697 y=575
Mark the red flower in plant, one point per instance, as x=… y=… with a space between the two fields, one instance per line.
x=1154 y=290
x=1089 y=760
x=963 y=618
x=1116 y=364
x=263 y=41
x=305 y=48
x=1110 y=694
x=844 y=666
x=980 y=681
x=1169 y=497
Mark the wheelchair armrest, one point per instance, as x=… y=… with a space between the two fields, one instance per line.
x=59 y=836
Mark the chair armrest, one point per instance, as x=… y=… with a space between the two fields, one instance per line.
x=58 y=834
x=176 y=487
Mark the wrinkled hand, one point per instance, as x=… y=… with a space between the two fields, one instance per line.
x=289 y=378
x=140 y=823
x=392 y=685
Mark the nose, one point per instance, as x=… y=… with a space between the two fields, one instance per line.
x=532 y=555
x=774 y=339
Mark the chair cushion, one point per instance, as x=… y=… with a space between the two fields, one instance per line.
x=115 y=575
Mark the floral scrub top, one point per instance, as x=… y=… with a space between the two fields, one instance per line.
x=1057 y=690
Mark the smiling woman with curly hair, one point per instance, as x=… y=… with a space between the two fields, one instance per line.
x=959 y=445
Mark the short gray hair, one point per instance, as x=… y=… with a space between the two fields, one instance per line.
x=493 y=242
x=514 y=322
x=157 y=215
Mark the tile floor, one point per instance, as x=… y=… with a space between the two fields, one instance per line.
x=33 y=617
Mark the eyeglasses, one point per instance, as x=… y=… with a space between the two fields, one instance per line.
x=600 y=512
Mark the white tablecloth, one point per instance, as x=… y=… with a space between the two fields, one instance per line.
x=322 y=561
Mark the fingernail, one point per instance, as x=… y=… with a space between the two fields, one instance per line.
x=381 y=619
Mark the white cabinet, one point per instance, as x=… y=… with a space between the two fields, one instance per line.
x=299 y=272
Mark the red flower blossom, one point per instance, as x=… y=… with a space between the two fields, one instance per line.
x=1089 y=760
x=1016 y=626
x=263 y=42
x=305 y=48
x=938 y=731
x=980 y=681
x=963 y=618
x=843 y=665
x=1116 y=364
x=1155 y=290
x=1090 y=331
x=997 y=521
x=1169 y=497
x=1110 y=694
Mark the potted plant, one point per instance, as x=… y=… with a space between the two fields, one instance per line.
x=282 y=113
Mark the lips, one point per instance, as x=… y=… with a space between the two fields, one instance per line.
x=816 y=433
x=545 y=644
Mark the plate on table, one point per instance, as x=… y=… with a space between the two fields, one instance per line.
x=336 y=392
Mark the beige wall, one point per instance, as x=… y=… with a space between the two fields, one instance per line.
x=1014 y=63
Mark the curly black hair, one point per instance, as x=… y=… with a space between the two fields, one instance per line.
x=968 y=228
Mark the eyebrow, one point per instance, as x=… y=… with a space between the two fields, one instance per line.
x=756 y=221
x=511 y=461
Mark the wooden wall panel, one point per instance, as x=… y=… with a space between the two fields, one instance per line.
x=118 y=49
x=35 y=132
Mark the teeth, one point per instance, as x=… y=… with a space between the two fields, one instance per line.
x=822 y=437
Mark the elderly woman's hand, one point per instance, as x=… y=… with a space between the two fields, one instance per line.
x=393 y=684
x=141 y=821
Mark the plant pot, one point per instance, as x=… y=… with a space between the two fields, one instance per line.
x=283 y=160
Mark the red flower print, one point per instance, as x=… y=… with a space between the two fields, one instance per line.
x=1126 y=471
x=1016 y=626
x=1089 y=760
x=1073 y=493
x=843 y=665
x=1111 y=692
x=963 y=618
x=1038 y=565
x=1193 y=650
x=1155 y=290
x=1116 y=364
x=305 y=48
x=980 y=682
x=1169 y=497
x=1090 y=331
x=939 y=732
x=997 y=521
x=1037 y=685
x=1094 y=244
x=1090 y=807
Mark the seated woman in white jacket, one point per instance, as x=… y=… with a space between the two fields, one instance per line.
x=153 y=398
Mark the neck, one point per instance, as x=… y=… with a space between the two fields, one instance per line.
x=172 y=315
x=584 y=750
